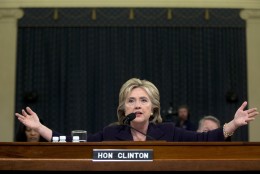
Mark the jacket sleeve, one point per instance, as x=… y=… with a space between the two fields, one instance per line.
x=184 y=135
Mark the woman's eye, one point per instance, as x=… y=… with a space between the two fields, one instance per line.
x=131 y=101
x=143 y=100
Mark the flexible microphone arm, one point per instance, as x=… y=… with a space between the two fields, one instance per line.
x=148 y=136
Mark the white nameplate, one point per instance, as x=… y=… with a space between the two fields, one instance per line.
x=122 y=155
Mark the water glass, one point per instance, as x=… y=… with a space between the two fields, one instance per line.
x=82 y=134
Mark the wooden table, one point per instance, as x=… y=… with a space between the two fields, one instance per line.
x=167 y=156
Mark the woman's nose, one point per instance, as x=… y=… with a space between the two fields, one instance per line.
x=137 y=104
x=33 y=132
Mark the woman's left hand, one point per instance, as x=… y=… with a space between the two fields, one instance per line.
x=243 y=117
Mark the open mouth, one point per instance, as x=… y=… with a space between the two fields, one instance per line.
x=138 y=113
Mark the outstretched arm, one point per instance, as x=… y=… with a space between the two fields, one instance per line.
x=31 y=120
x=242 y=117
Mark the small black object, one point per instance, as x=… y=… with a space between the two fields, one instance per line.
x=31 y=97
x=231 y=96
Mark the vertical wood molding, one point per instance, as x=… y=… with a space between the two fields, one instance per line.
x=252 y=18
x=8 y=40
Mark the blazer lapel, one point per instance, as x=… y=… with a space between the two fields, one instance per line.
x=154 y=132
x=124 y=134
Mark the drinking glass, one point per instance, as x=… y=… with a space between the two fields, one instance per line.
x=81 y=133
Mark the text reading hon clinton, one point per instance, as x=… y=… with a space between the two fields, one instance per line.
x=122 y=155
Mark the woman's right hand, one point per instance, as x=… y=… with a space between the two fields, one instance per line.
x=29 y=119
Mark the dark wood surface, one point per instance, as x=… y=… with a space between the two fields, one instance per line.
x=168 y=156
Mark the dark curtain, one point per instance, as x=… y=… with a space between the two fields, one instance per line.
x=71 y=76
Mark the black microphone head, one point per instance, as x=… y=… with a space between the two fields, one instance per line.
x=129 y=118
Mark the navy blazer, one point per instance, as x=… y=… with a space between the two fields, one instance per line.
x=161 y=132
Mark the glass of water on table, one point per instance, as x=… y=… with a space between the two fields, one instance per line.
x=82 y=135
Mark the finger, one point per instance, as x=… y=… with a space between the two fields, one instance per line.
x=20 y=119
x=29 y=110
x=18 y=115
x=24 y=113
x=253 y=114
x=251 y=110
x=242 y=107
x=249 y=119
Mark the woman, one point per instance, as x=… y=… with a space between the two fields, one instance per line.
x=142 y=98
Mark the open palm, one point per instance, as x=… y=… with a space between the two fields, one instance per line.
x=29 y=118
x=243 y=117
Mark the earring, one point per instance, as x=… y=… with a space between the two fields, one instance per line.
x=151 y=113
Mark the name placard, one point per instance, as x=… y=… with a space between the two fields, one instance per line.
x=122 y=155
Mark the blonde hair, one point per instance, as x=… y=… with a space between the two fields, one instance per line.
x=152 y=92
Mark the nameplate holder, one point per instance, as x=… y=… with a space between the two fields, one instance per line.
x=122 y=155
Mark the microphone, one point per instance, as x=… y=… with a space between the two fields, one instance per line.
x=131 y=117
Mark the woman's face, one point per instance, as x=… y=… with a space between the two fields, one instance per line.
x=138 y=102
x=31 y=135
